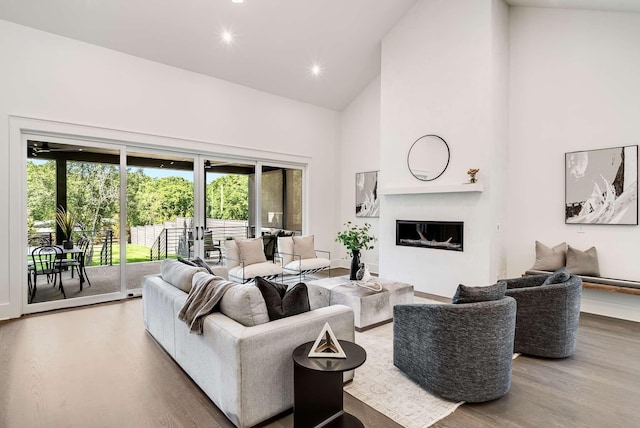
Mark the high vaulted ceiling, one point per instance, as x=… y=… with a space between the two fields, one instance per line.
x=275 y=42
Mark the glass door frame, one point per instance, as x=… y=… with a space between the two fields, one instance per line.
x=305 y=189
x=200 y=183
x=21 y=247
x=146 y=150
x=13 y=293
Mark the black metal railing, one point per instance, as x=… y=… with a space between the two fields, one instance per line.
x=178 y=241
x=106 y=252
x=172 y=241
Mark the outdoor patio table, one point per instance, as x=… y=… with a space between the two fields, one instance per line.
x=66 y=252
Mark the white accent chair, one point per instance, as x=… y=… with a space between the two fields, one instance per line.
x=299 y=256
x=245 y=259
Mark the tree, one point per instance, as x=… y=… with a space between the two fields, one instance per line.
x=228 y=198
x=41 y=190
x=93 y=193
x=137 y=183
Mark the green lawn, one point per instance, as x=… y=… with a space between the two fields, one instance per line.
x=135 y=253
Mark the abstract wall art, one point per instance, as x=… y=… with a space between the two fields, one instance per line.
x=601 y=186
x=367 y=202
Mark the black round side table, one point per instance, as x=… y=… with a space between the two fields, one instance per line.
x=317 y=386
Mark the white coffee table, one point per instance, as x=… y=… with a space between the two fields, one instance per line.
x=370 y=308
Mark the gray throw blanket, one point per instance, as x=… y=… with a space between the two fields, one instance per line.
x=205 y=294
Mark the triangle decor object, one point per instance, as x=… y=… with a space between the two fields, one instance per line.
x=327 y=345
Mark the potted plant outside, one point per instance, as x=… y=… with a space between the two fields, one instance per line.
x=356 y=238
x=66 y=222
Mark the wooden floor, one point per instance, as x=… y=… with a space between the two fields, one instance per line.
x=97 y=367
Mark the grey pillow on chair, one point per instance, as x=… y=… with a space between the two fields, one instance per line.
x=558 y=277
x=465 y=294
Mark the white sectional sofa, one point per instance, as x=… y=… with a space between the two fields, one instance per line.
x=246 y=370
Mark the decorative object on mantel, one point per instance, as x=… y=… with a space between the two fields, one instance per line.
x=601 y=186
x=367 y=201
x=428 y=157
x=326 y=345
x=356 y=238
x=472 y=174
x=66 y=222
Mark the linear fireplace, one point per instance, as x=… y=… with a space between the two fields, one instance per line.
x=441 y=235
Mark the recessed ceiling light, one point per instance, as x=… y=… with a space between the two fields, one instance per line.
x=237 y=1
x=227 y=37
x=315 y=70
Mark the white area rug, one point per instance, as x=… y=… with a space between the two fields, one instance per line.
x=379 y=384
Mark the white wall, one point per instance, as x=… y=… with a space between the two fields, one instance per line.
x=441 y=71
x=574 y=86
x=359 y=152
x=50 y=77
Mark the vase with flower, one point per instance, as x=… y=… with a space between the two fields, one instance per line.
x=356 y=238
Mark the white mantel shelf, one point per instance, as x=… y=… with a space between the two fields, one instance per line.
x=416 y=190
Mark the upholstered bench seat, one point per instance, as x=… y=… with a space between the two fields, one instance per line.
x=600 y=283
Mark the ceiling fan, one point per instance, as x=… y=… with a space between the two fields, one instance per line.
x=41 y=147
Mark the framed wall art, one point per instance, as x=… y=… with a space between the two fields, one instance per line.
x=367 y=202
x=601 y=186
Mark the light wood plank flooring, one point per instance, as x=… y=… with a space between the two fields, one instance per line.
x=97 y=367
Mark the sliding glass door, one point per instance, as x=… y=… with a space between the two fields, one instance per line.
x=131 y=208
x=160 y=212
x=228 y=205
x=79 y=182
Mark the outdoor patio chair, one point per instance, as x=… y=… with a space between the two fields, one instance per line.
x=210 y=246
x=46 y=262
x=79 y=260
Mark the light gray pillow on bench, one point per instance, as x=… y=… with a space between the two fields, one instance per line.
x=583 y=262
x=550 y=259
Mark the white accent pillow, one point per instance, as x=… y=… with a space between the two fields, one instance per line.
x=178 y=274
x=303 y=247
x=244 y=303
x=285 y=246
x=232 y=254
x=251 y=250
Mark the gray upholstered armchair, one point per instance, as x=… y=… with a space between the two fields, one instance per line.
x=461 y=352
x=547 y=316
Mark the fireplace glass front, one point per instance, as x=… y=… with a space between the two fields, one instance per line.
x=441 y=235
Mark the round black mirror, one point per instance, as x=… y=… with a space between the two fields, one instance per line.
x=428 y=157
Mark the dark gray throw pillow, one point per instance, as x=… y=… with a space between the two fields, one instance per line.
x=197 y=262
x=201 y=263
x=186 y=262
x=281 y=302
x=558 y=277
x=465 y=294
